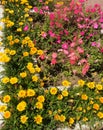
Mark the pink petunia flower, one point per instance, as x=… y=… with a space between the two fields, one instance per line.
x=65 y=46
x=53 y=61
x=54 y=55
x=26 y=28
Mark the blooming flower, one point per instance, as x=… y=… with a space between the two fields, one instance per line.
x=41 y=98
x=23 y=119
x=71 y=121
x=38 y=119
x=3 y=108
x=53 y=90
x=13 y=80
x=84 y=97
x=7 y=114
x=66 y=83
x=39 y=105
x=100 y=115
x=30 y=93
x=21 y=106
x=5 y=80
x=65 y=93
x=96 y=106
x=81 y=82
x=62 y=118
x=6 y=98
x=23 y=74
x=22 y=93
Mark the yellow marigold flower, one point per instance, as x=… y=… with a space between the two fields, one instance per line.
x=6 y=98
x=100 y=115
x=24 y=1
x=22 y=93
x=71 y=121
x=39 y=105
x=85 y=119
x=10 y=37
x=11 y=42
x=91 y=102
x=29 y=65
x=41 y=98
x=25 y=53
x=53 y=90
x=16 y=40
x=30 y=19
x=12 y=52
x=7 y=50
x=38 y=69
x=65 y=93
x=62 y=118
x=7 y=114
x=34 y=78
x=32 y=70
x=30 y=93
x=5 y=80
x=31 y=45
x=96 y=106
x=23 y=74
x=91 y=85
x=66 y=83
x=3 y=108
x=101 y=99
x=23 y=119
x=4 y=58
x=56 y=117
x=81 y=82
x=99 y=87
x=13 y=80
x=79 y=108
x=59 y=97
x=21 y=106
x=40 y=52
x=21 y=23
x=84 y=97
x=19 y=29
x=26 y=15
x=38 y=119
x=50 y=112
x=33 y=50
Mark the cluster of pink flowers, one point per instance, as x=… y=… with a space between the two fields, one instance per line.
x=71 y=33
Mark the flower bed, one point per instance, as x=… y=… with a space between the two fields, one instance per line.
x=49 y=44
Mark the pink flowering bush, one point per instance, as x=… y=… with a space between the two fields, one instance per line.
x=70 y=38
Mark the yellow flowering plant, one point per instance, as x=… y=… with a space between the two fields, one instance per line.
x=31 y=100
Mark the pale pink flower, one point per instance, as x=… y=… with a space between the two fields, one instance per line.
x=54 y=55
x=73 y=44
x=65 y=52
x=43 y=34
x=80 y=50
x=85 y=68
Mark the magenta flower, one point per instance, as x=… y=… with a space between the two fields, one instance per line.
x=26 y=28
x=65 y=46
x=35 y=9
x=95 y=25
